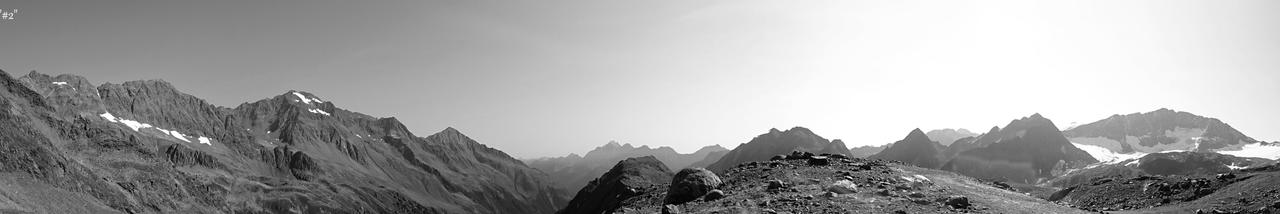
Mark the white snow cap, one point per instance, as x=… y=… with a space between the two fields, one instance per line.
x=306 y=99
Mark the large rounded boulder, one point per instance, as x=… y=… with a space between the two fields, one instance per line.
x=691 y=183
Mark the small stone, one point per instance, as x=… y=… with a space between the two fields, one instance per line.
x=776 y=184
x=843 y=187
x=958 y=202
x=670 y=209
x=847 y=178
x=838 y=156
x=714 y=195
x=1275 y=205
x=830 y=194
x=884 y=192
x=916 y=195
x=899 y=212
x=778 y=157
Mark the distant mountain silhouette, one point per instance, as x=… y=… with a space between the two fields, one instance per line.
x=776 y=142
x=916 y=149
x=1025 y=151
x=1158 y=131
x=573 y=172
x=867 y=151
x=948 y=136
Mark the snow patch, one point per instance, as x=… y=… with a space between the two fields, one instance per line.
x=139 y=126
x=1106 y=156
x=318 y=111
x=60 y=83
x=306 y=99
x=1256 y=150
x=175 y=134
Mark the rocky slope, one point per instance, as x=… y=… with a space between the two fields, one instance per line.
x=838 y=185
x=1158 y=131
x=948 y=136
x=767 y=145
x=1025 y=151
x=915 y=149
x=573 y=172
x=627 y=178
x=1250 y=190
x=145 y=147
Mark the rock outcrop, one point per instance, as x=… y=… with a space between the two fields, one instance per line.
x=627 y=178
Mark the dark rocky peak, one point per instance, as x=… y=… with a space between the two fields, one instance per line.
x=916 y=149
x=916 y=135
x=765 y=146
x=628 y=178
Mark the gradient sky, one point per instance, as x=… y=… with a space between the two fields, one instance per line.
x=548 y=78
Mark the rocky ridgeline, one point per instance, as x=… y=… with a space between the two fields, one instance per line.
x=146 y=147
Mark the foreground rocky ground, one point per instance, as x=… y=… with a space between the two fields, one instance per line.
x=801 y=184
x=1255 y=190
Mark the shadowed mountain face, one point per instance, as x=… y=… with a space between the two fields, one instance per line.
x=776 y=142
x=915 y=149
x=948 y=136
x=573 y=172
x=1025 y=151
x=144 y=146
x=627 y=178
x=1158 y=131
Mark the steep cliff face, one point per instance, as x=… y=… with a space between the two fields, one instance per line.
x=144 y=146
x=627 y=178
x=776 y=142
x=916 y=149
x=1025 y=151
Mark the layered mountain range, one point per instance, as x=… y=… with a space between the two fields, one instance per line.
x=70 y=146
x=572 y=172
x=1026 y=151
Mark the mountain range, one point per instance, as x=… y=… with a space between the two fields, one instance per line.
x=572 y=172
x=775 y=142
x=70 y=146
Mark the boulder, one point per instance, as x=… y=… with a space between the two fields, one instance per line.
x=958 y=202
x=819 y=161
x=690 y=184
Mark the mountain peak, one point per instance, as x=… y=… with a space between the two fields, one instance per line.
x=916 y=134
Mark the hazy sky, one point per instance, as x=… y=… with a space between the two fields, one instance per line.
x=544 y=78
